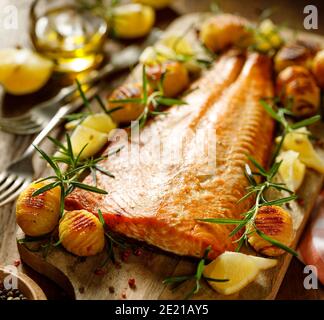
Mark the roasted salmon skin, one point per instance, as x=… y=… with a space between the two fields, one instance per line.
x=189 y=163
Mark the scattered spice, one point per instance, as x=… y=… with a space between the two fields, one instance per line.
x=125 y=255
x=138 y=252
x=17 y=263
x=124 y=295
x=117 y=264
x=131 y=283
x=111 y=290
x=301 y=201
x=99 y=272
x=81 y=290
x=11 y=294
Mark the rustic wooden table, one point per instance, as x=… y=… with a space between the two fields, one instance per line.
x=12 y=146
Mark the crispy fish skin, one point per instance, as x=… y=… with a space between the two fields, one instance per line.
x=159 y=201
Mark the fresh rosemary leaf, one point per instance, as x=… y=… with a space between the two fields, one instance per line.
x=276 y=243
x=169 y=102
x=249 y=175
x=45 y=188
x=262 y=171
x=58 y=143
x=270 y=111
x=83 y=186
x=279 y=202
x=221 y=220
x=101 y=218
x=170 y=280
x=306 y=122
x=69 y=148
x=50 y=161
x=215 y=280
x=104 y=171
x=129 y=100
x=83 y=96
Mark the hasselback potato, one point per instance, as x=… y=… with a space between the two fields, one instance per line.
x=38 y=215
x=318 y=68
x=297 y=86
x=129 y=110
x=293 y=54
x=224 y=30
x=81 y=233
x=276 y=223
x=173 y=76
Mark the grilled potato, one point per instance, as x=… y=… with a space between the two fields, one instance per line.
x=293 y=54
x=129 y=110
x=318 y=68
x=174 y=77
x=297 y=84
x=276 y=223
x=222 y=31
x=38 y=215
x=81 y=233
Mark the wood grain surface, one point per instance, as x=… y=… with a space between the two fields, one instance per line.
x=12 y=146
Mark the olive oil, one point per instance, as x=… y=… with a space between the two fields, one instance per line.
x=72 y=37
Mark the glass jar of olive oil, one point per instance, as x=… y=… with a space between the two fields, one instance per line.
x=67 y=33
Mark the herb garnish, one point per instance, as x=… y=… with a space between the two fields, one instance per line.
x=197 y=276
x=150 y=101
x=259 y=190
x=279 y=114
x=68 y=180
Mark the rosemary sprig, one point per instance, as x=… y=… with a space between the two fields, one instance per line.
x=111 y=239
x=198 y=276
x=279 y=114
x=150 y=101
x=68 y=180
x=258 y=191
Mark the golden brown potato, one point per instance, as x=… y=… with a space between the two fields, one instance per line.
x=38 y=215
x=81 y=233
x=318 y=68
x=276 y=223
x=130 y=110
x=297 y=84
x=174 y=76
x=293 y=54
x=224 y=30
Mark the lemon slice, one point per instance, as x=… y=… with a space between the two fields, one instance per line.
x=94 y=140
x=101 y=122
x=156 y=4
x=178 y=44
x=238 y=268
x=291 y=170
x=133 y=20
x=23 y=71
x=298 y=141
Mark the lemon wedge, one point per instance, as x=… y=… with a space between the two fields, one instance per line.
x=132 y=20
x=94 y=140
x=291 y=170
x=156 y=4
x=23 y=71
x=240 y=269
x=178 y=44
x=298 y=141
x=101 y=122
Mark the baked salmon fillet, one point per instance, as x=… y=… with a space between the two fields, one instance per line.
x=189 y=163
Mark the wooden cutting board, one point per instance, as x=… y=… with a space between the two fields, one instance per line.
x=81 y=279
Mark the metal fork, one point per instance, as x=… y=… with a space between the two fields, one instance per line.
x=36 y=120
x=20 y=173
